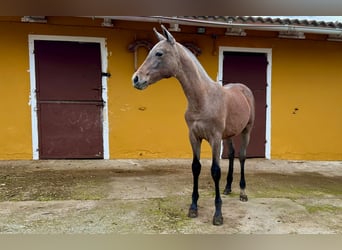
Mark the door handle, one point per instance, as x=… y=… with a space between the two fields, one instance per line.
x=105 y=74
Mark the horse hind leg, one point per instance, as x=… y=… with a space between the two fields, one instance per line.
x=242 y=158
x=228 y=188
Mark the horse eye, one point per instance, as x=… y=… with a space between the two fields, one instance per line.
x=159 y=54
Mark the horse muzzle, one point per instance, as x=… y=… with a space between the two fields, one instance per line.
x=138 y=83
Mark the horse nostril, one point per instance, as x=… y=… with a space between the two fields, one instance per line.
x=136 y=79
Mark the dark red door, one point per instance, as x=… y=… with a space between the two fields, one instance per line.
x=69 y=97
x=251 y=70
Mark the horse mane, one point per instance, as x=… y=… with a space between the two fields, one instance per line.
x=197 y=63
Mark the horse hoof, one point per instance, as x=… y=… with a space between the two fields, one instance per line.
x=218 y=220
x=192 y=213
x=243 y=198
x=227 y=191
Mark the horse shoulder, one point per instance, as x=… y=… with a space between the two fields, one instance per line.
x=209 y=120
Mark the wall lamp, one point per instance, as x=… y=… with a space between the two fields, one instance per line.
x=33 y=19
x=235 y=31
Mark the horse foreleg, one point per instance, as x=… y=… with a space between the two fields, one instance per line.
x=216 y=175
x=228 y=188
x=242 y=158
x=196 y=170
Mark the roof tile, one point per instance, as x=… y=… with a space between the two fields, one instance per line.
x=266 y=20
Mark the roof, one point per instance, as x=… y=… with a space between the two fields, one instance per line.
x=287 y=27
x=298 y=21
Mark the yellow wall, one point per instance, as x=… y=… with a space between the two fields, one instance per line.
x=306 y=74
x=15 y=123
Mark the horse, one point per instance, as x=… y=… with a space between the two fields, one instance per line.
x=214 y=112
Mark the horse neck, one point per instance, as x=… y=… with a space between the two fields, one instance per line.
x=193 y=78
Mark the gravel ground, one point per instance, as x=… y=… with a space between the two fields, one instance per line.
x=153 y=196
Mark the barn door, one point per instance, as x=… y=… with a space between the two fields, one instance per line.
x=250 y=69
x=69 y=99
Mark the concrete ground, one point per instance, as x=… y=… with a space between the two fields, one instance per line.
x=153 y=196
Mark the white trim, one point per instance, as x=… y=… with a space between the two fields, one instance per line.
x=268 y=52
x=33 y=101
x=33 y=96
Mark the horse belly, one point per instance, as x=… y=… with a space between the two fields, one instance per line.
x=235 y=125
x=238 y=116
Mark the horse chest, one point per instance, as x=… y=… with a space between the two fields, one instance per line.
x=203 y=126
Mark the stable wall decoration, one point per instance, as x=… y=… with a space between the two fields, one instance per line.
x=133 y=47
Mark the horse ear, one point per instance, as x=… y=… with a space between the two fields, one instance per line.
x=168 y=35
x=158 y=35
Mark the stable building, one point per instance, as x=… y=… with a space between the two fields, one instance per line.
x=66 y=90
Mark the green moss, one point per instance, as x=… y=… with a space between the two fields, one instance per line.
x=53 y=185
x=86 y=191
x=168 y=213
x=301 y=185
x=325 y=208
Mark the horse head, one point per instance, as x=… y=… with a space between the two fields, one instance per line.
x=161 y=62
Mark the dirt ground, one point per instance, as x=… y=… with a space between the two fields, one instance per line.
x=153 y=196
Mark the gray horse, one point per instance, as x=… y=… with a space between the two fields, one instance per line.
x=214 y=112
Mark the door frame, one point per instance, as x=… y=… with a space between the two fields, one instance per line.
x=33 y=96
x=268 y=52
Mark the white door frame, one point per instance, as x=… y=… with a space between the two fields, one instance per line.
x=33 y=96
x=268 y=52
